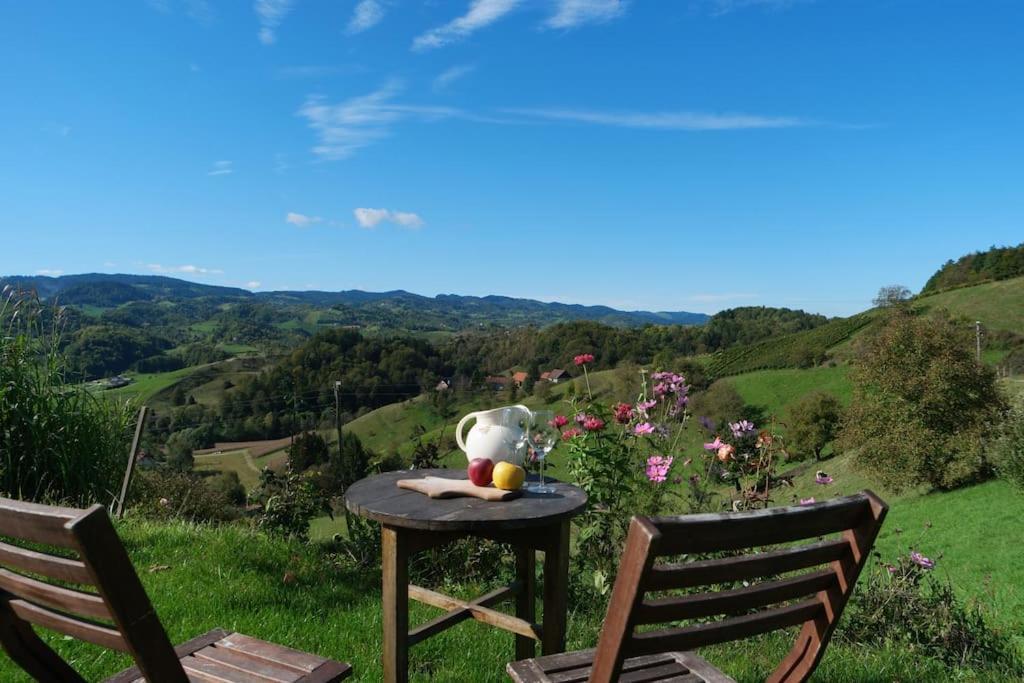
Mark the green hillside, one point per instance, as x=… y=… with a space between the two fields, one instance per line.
x=998 y=305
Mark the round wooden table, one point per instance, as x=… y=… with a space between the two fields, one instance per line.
x=412 y=522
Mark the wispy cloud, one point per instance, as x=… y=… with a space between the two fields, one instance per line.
x=371 y=218
x=186 y=270
x=366 y=15
x=357 y=122
x=727 y=6
x=481 y=13
x=301 y=220
x=271 y=13
x=223 y=167
x=253 y=284
x=571 y=13
x=50 y=272
x=682 y=120
x=447 y=77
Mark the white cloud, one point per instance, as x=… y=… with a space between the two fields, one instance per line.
x=253 y=284
x=570 y=13
x=357 y=122
x=50 y=272
x=682 y=120
x=271 y=13
x=726 y=6
x=481 y=13
x=223 y=167
x=447 y=77
x=109 y=264
x=371 y=218
x=187 y=269
x=366 y=15
x=300 y=220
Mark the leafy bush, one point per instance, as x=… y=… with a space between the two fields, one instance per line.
x=308 y=450
x=923 y=406
x=166 y=494
x=58 y=441
x=1008 y=448
x=287 y=503
x=904 y=603
x=812 y=425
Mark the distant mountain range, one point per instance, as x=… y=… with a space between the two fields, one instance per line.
x=444 y=310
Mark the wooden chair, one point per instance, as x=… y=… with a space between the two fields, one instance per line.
x=108 y=606
x=841 y=532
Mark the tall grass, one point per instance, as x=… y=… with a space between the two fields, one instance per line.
x=58 y=442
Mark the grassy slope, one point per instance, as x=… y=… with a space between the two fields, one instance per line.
x=998 y=305
x=297 y=595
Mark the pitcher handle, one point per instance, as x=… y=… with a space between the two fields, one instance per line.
x=526 y=410
x=458 y=431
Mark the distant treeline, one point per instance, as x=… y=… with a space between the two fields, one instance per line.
x=998 y=263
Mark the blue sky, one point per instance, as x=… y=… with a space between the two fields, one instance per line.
x=670 y=155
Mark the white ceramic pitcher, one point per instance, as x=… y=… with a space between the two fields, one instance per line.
x=496 y=434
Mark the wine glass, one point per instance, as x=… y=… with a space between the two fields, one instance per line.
x=543 y=435
x=516 y=421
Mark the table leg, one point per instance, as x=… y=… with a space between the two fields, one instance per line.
x=395 y=604
x=556 y=588
x=526 y=606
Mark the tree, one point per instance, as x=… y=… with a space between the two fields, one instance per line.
x=813 y=424
x=308 y=450
x=922 y=406
x=179 y=452
x=721 y=403
x=891 y=295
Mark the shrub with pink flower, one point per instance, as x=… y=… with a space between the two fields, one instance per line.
x=559 y=421
x=571 y=433
x=593 y=424
x=623 y=413
x=643 y=428
x=658 y=467
x=922 y=561
x=583 y=359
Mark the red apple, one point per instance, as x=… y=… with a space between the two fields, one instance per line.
x=480 y=470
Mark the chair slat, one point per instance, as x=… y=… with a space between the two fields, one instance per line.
x=50 y=566
x=733 y=601
x=744 y=567
x=700 y=635
x=732 y=531
x=96 y=634
x=238 y=660
x=57 y=597
x=36 y=523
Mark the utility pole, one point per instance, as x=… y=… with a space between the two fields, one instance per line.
x=337 y=414
x=977 y=338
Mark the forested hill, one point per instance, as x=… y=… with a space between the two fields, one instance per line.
x=998 y=263
x=394 y=310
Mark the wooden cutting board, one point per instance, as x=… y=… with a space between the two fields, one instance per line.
x=439 y=487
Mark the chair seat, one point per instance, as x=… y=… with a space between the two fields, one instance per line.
x=574 y=667
x=222 y=657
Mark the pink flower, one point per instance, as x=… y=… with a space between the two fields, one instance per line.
x=583 y=359
x=822 y=478
x=581 y=418
x=623 y=413
x=726 y=452
x=658 y=467
x=714 y=445
x=593 y=424
x=571 y=433
x=559 y=421
x=922 y=561
x=807 y=501
x=643 y=428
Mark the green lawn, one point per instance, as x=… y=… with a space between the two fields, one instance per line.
x=299 y=595
x=149 y=384
x=773 y=390
x=998 y=305
x=239 y=462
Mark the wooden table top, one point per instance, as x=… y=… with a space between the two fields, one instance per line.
x=379 y=498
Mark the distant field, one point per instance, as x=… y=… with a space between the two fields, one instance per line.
x=240 y=462
x=773 y=390
x=146 y=385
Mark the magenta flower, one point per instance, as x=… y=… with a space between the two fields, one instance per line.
x=808 y=501
x=571 y=433
x=643 y=428
x=822 y=478
x=583 y=359
x=643 y=406
x=559 y=421
x=922 y=561
x=623 y=413
x=658 y=467
x=581 y=418
x=593 y=424
x=714 y=445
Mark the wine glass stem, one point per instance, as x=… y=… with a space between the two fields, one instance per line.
x=543 y=465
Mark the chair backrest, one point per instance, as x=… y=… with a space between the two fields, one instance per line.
x=761 y=589
x=66 y=570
